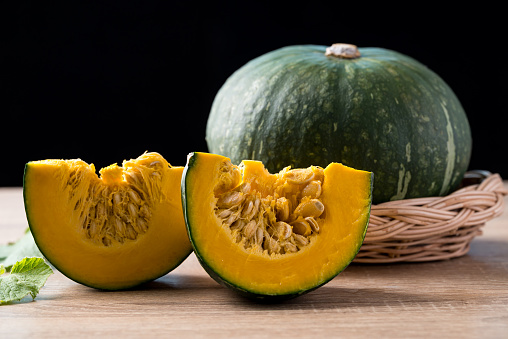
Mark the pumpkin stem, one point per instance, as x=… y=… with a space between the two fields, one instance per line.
x=345 y=51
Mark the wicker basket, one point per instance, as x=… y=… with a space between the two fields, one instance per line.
x=435 y=228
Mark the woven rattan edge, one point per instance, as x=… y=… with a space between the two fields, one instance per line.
x=433 y=228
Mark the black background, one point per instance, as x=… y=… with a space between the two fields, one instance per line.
x=106 y=82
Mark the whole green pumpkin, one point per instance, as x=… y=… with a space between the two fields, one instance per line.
x=369 y=108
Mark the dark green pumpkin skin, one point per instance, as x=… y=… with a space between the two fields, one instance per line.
x=382 y=112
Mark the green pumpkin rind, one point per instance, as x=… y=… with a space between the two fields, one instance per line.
x=382 y=112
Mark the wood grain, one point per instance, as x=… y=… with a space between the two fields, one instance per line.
x=466 y=297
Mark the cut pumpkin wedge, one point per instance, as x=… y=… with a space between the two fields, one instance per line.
x=110 y=232
x=277 y=235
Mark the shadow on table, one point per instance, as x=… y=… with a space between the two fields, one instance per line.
x=354 y=300
x=359 y=287
x=180 y=282
x=488 y=250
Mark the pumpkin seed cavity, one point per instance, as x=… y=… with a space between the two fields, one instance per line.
x=117 y=207
x=283 y=222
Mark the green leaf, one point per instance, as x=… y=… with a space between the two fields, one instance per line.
x=27 y=276
x=13 y=252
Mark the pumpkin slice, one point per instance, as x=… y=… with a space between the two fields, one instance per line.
x=274 y=236
x=112 y=232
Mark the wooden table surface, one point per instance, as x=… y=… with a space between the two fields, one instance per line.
x=465 y=297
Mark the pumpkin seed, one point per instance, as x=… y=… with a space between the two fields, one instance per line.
x=224 y=213
x=231 y=219
x=290 y=247
x=133 y=211
x=313 y=224
x=230 y=199
x=271 y=245
x=284 y=230
x=299 y=176
x=134 y=177
x=142 y=225
x=92 y=229
x=250 y=229
x=120 y=226
x=130 y=232
x=244 y=187
x=144 y=211
x=117 y=199
x=156 y=163
x=257 y=204
x=259 y=236
x=100 y=211
x=238 y=225
x=310 y=208
x=301 y=227
x=134 y=197
x=312 y=189
x=247 y=210
x=300 y=240
x=282 y=206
